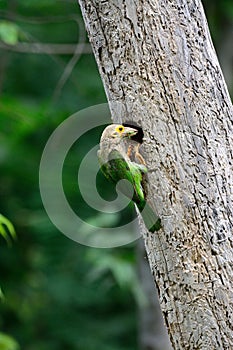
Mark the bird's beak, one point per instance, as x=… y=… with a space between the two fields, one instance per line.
x=128 y=132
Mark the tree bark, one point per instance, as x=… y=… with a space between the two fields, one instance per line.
x=160 y=69
x=152 y=334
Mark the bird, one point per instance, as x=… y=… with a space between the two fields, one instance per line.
x=136 y=141
x=133 y=152
x=116 y=165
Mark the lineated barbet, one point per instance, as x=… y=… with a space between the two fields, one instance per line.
x=116 y=165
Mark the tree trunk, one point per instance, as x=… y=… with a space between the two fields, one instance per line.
x=152 y=334
x=159 y=69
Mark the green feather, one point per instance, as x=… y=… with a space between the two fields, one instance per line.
x=116 y=169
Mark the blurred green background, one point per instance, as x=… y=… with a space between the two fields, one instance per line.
x=58 y=294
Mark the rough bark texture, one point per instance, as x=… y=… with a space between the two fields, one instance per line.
x=157 y=60
x=152 y=334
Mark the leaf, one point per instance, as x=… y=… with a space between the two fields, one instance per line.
x=7 y=342
x=2 y=297
x=7 y=229
x=9 y=32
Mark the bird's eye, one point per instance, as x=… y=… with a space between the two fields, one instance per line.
x=120 y=128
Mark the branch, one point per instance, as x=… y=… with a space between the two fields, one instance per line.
x=48 y=48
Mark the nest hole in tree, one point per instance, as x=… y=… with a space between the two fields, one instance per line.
x=140 y=134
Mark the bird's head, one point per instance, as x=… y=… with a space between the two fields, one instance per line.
x=117 y=131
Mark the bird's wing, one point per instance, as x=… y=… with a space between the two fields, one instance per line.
x=117 y=168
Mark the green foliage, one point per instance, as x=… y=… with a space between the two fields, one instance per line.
x=8 y=343
x=1 y=295
x=219 y=15
x=122 y=269
x=52 y=298
x=9 y=32
x=6 y=229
